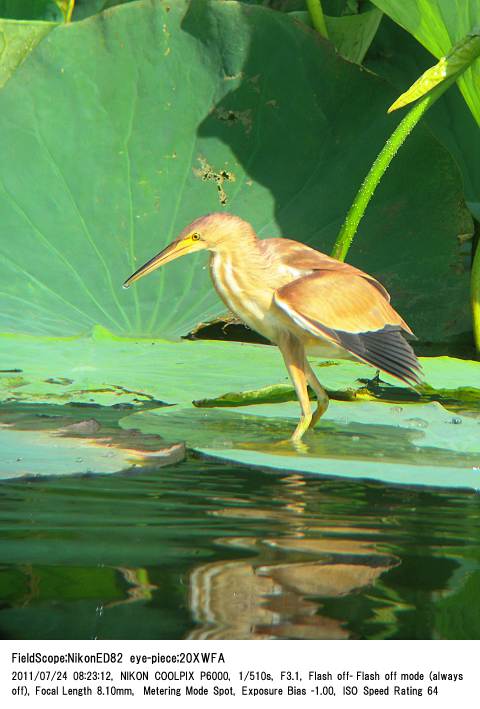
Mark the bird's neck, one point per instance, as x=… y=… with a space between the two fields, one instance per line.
x=241 y=278
x=244 y=257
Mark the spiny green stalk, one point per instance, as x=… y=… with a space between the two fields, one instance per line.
x=376 y=172
x=317 y=16
x=428 y=88
x=475 y=295
x=67 y=7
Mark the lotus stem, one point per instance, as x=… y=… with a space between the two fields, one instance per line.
x=429 y=87
x=379 y=167
x=67 y=7
x=318 y=18
x=70 y=9
x=475 y=295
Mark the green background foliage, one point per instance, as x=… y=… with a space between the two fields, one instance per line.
x=438 y=25
x=30 y=10
x=400 y=59
x=125 y=154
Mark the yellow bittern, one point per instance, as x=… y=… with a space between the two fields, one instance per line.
x=300 y=299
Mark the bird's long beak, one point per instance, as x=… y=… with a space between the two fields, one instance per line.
x=179 y=247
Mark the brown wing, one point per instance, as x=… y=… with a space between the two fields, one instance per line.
x=303 y=258
x=348 y=310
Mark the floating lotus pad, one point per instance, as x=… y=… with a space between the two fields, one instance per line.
x=415 y=444
x=35 y=453
x=48 y=440
x=107 y=370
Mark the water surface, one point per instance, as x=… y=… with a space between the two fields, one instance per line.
x=204 y=549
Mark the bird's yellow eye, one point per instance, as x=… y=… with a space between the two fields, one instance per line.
x=195 y=237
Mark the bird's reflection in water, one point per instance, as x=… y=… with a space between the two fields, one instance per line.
x=278 y=593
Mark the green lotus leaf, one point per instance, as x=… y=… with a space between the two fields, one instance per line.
x=31 y=453
x=438 y=25
x=52 y=440
x=413 y=444
x=107 y=370
x=110 y=371
x=122 y=153
x=85 y=8
x=31 y=10
x=17 y=40
x=396 y=438
x=351 y=34
x=461 y=397
x=400 y=59
x=461 y=56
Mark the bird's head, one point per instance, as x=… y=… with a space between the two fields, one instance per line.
x=216 y=232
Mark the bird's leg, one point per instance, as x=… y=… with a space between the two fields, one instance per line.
x=294 y=358
x=320 y=393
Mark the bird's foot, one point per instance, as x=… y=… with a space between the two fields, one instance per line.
x=320 y=410
x=299 y=445
x=302 y=427
x=316 y=416
x=290 y=444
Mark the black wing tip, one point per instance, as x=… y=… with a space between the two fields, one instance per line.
x=407 y=376
x=387 y=350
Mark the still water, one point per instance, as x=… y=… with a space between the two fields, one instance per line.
x=203 y=549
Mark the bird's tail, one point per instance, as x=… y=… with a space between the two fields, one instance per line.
x=386 y=349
